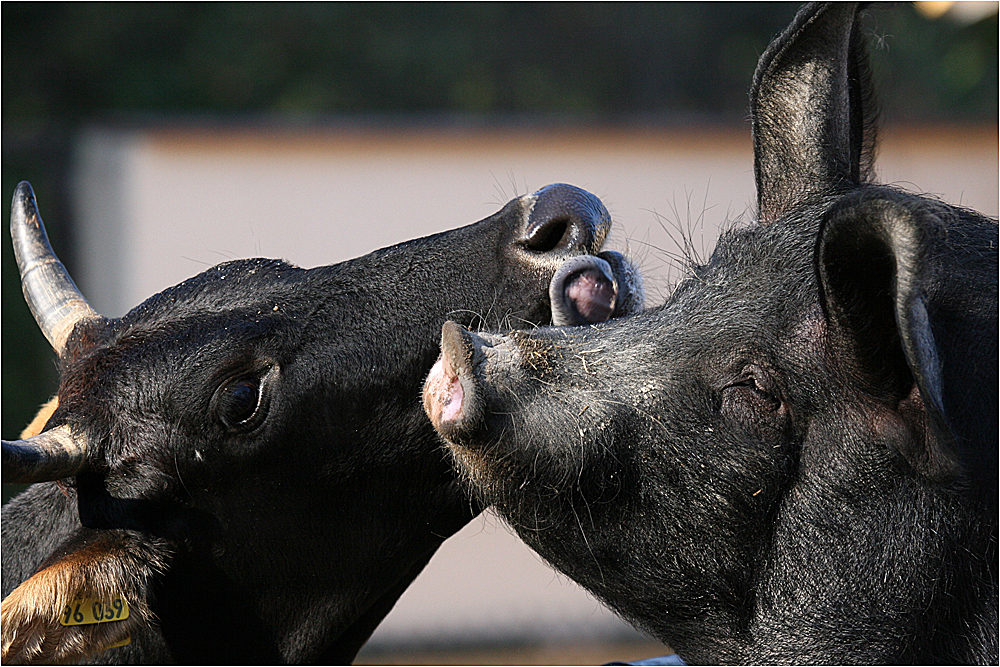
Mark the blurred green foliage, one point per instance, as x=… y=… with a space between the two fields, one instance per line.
x=80 y=61
x=68 y=64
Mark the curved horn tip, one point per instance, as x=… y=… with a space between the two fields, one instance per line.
x=54 y=299
x=24 y=191
x=26 y=226
x=24 y=202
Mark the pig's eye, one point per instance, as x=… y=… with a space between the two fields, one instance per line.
x=750 y=391
x=241 y=402
x=753 y=401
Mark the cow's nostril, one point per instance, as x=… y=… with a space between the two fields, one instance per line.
x=565 y=220
x=549 y=236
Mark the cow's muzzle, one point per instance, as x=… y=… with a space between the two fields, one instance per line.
x=562 y=220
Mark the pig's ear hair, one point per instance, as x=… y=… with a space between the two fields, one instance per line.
x=813 y=110
x=909 y=290
x=102 y=566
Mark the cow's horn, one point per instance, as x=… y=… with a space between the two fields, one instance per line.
x=54 y=454
x=52 y=296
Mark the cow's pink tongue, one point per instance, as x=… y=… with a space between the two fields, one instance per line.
x=592 y=295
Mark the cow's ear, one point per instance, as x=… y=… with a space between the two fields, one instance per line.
x=813 y=111
x=910 y=295
x=87 y=597
x=42 y=417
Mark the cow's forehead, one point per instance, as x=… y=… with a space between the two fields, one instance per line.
x=175 y=349
x=239 y=283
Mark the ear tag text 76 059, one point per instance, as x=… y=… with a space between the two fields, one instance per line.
x=88 y=611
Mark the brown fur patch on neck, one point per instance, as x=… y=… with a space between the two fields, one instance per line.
x=106 y=565
x=41 y=419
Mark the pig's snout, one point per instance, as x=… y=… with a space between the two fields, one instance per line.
x=589 y=289
x=451 y=394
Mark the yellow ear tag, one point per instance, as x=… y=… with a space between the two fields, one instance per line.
x=123 y=642
x=88 y=611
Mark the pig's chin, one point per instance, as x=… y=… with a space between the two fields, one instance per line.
x=443 y=393
x=456 y=398
x=447 y=403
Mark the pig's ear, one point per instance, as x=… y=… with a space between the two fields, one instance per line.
x=813 y=111
x=87 y=597
x=909 y=290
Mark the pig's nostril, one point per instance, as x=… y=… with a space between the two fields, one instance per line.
x=548 y=236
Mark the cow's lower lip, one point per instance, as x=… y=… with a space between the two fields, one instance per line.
x=591 y=295
x=589 y=289
x=582 y=291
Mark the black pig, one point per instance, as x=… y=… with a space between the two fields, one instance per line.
x=794 y=459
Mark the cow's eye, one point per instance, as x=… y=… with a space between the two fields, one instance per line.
x=240 y=403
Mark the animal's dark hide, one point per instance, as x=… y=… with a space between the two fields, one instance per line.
x=794 y=459
x=257 y=431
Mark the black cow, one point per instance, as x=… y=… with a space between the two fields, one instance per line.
x=244 y=459
x=794 y=459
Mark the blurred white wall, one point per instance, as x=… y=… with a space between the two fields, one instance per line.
x=157 y=205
